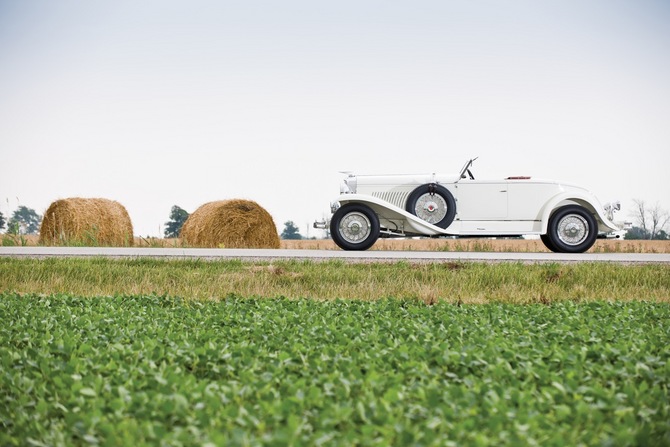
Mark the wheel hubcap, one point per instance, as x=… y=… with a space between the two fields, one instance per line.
x=573 y=229
x=431 y=207
x=355 y=227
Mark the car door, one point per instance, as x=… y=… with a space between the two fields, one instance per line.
x=481 y=200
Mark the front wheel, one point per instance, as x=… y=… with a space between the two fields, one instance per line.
x=354 y=227
x=572 y=229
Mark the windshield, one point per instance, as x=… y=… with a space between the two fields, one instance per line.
x=465 y=169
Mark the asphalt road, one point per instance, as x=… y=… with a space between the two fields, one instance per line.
x=324 y=255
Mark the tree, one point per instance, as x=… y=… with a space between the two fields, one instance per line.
x=177 y=218
x=659 y=219
x=651 y=221
x=2 y=221
x=291 y=231
x=24 y=221
x=636 y=233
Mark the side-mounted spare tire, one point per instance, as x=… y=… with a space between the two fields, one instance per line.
x=354 y=227
x=571 y=229
x=432 y=203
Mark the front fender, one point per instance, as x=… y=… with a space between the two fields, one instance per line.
x=388 y=211
x=585 y=199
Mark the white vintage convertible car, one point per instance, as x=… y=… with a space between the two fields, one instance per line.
x=567 y=218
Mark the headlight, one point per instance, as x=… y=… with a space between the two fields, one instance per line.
x=344 y=188
x=348 y=185
x=610 y=208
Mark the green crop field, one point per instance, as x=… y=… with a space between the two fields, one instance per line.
x=149 y=370
x=147 y=352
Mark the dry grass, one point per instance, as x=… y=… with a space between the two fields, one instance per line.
x=493 y=245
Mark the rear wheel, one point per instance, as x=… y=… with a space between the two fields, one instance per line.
x=572 y=229
x=547 y=242
x=354 y=227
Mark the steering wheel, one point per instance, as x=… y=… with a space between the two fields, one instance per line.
x=472 y=177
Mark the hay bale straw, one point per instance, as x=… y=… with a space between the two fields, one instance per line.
x=230 y=224
x=95 y=222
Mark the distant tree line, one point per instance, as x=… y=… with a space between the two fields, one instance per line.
x=24 y=220
x=177 y=218
x=291 y=231
x=651 y=222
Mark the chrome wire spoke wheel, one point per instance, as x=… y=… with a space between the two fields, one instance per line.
x=431 y=207
x=573 y=229
x=432 y=203
x=355 y=227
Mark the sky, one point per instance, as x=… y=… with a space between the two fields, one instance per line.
x=162 y=103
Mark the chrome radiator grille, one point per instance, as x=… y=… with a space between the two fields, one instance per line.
x=397 y=198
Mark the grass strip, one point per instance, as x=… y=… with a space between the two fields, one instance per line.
x=460 y=282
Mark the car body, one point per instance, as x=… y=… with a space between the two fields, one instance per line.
x=567 y=218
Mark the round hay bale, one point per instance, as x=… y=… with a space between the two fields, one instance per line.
x=230 y=224
x=93 y=222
